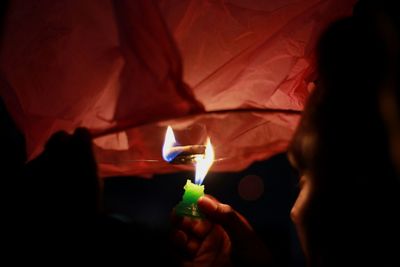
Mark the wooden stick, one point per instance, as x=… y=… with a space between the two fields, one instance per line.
x=186 y=154
x=188 y=150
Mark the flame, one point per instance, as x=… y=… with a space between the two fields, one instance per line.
x=204 y=162
x=169 y=143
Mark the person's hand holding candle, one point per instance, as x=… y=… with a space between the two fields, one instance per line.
x=200 y=242
x=207 y=232
x=224 y=238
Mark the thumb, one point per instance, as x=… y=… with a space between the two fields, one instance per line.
x=249 y=249
x=236 y=226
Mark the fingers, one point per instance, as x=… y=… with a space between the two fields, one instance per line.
x=179 y=238
x=245 y=242
x=187 y=244
x=66 y=174
x=218 y=243
x=83 y=134
x=82 y=141
x=200 y=252
x=62 y=138
x=198 y=228
x=212 y=198
x=56 y=140
x=192 y=227
x=74 y=150
x=233 y=222
x=189 y=234
x=225 y=234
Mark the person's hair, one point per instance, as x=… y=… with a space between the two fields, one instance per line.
x=353 y=216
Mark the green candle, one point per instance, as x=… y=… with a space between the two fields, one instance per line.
x=188 y=205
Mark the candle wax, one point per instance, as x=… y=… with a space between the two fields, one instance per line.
x=188 y=205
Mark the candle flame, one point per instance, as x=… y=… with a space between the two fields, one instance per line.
x=169 y=143
x=204 y=162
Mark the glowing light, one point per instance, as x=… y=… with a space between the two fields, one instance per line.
x=251 y=187
x=169 y=143
x=201 y=155
x=204 y=162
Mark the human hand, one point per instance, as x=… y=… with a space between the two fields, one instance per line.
x=224 y=238
x=200 y=242
x=63 y=179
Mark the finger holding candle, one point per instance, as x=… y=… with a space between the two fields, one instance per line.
x=232 y=221
x=198 y=228
x=188 y=234
x=186 y=243
x=211 y=250
x=198 y=241
x=247 y=246
x=179 y=238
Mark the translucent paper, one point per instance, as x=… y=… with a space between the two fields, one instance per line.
x=122 y=68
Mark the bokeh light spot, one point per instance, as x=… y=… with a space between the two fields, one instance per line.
x=251 y=187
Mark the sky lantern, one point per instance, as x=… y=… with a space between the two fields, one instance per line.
x=235 y=73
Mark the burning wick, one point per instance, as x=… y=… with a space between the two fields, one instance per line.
x=200 y=155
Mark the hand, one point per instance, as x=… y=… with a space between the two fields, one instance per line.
x=63 y=178
x=225 y=238
x=201 y=243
